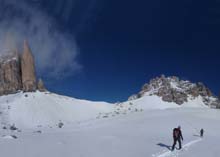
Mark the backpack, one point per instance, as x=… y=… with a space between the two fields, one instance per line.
x=176 y=133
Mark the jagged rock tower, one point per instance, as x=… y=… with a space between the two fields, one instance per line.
x=28 y=69
x=10 y=78
x=17 y=72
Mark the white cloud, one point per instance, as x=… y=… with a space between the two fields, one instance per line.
x=55 y=52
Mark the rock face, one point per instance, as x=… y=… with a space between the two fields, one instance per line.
x=40 y=86
x=172 y=89
x=18 y=72
x=10 y=78
x=28 y=70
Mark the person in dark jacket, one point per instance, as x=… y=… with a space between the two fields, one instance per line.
x=201 y=132
x=177 y=137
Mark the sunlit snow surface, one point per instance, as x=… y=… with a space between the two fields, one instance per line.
x=144 y=131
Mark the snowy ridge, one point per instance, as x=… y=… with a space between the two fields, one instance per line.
x=30 y=110
x=44 y=108
x=139 y=127
x=149 y=103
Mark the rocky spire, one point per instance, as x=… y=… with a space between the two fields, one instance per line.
x=17 y=72
x=10 y=78
x=28 y=69
x=40 y=86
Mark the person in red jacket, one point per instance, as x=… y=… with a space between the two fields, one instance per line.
x=177 y=137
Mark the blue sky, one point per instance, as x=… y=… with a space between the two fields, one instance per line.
x=114 y=47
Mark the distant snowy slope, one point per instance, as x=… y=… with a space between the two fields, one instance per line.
x=32 y=109
x=148 y=103
x=155 y=102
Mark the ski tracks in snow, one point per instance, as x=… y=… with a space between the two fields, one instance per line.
x=176 y=153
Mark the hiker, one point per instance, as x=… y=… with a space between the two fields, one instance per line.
x=201 y=132
x=177 y=136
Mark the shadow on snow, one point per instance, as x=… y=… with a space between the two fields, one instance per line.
x=164 y=146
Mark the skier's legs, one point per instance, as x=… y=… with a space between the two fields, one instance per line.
x=180 y=145
x=174 y=144
x=201 y=132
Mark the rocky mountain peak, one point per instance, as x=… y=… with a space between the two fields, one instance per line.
x=173 y=89
x=28 y=69
x=10 y=78
x=26 y=49
x=17 y=72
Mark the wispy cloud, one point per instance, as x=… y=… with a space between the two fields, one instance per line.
x=55 y=51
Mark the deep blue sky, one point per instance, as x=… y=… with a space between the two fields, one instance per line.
x=124 y=43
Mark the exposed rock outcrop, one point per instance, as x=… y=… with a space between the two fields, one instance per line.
x=172 y=89
x=40 y=86
x=28 y=70
x=10 y=78
x=18 y=72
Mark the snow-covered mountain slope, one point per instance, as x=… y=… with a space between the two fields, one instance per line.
x=44 y=108
x=150 y=102
x=141 y=126
x=155 y=102
x=31 y=110
x=163 y=93
x=143 y=134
